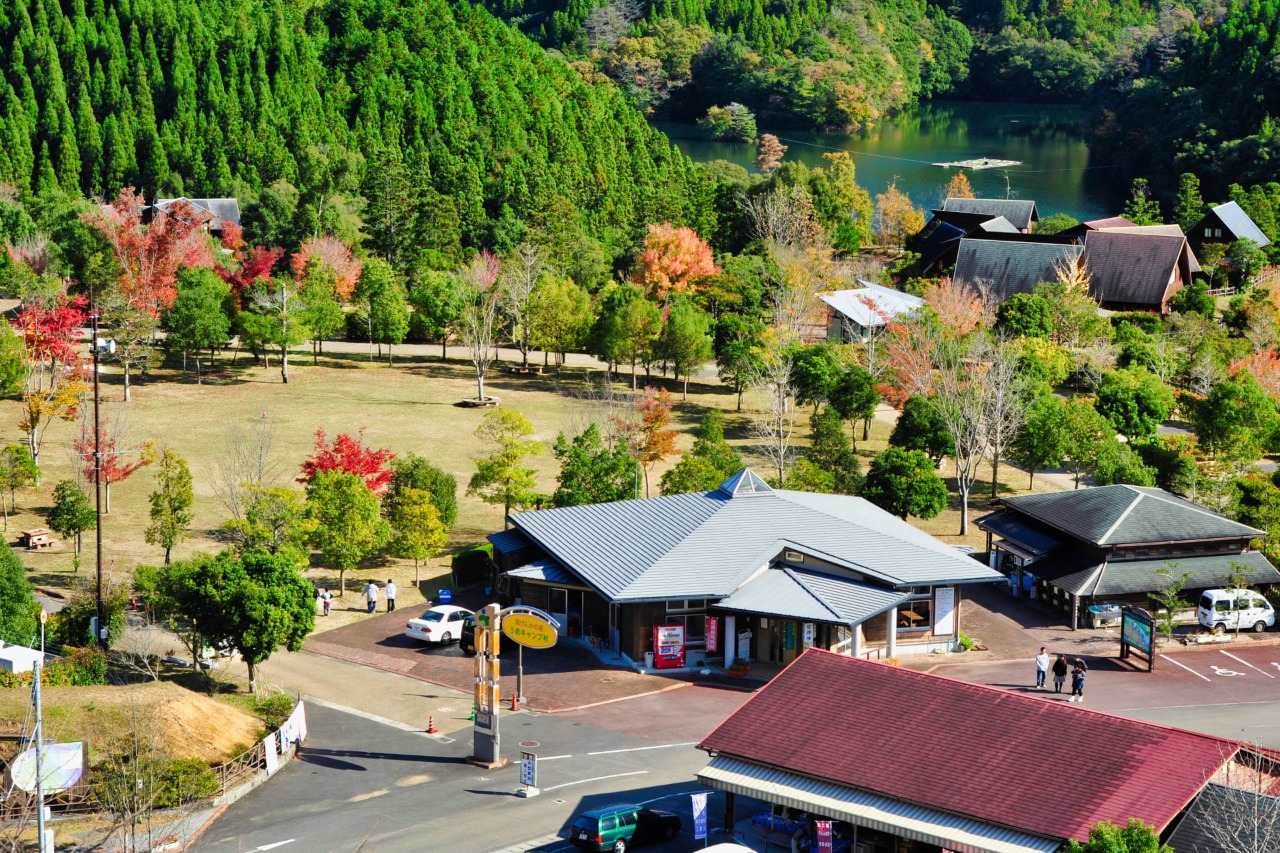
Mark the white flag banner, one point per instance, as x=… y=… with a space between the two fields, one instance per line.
x=700 y=814
x=273 y=755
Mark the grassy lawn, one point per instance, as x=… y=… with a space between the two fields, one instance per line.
x=408 y=407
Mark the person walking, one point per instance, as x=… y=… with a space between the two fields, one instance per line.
x=371 y=596
x=326 y=601
x=1059 y=673
x=1042 y=667
x=391 y=595
x=1078 y=672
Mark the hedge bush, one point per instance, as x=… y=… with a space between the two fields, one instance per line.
x=474 y=565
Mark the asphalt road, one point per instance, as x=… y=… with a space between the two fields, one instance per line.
x=1225 y=690
x=359 y=785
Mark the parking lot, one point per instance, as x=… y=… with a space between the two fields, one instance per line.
x=1229 y=689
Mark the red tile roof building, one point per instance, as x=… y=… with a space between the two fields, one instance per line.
x=1044 y=768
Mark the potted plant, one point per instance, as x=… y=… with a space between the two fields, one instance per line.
x=739 y=668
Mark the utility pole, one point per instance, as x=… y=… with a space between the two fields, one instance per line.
x=45 y=847
x=97 y=481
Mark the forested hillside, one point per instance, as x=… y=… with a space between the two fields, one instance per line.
x=412 y=105
x=835 y=63
x=1201 y=99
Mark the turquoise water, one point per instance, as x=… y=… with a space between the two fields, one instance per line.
x=1056 y=170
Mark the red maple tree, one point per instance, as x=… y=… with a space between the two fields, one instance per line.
x=256 y=264
x=959 y=308
x=673 y=259
x=50 y=331
x=348 y=453
x=117 y=464
x=150 y=257
x=334 y=254
x=232 y=236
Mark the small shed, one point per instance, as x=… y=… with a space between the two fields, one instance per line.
x=17 y=658
x=857 y=315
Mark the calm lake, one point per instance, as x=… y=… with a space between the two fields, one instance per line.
x=1056 y=171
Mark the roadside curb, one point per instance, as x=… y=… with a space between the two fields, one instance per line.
x=194 y=836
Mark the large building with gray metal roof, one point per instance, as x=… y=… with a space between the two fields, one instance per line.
x=745 y=571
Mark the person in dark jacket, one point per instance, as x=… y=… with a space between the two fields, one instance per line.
x=1059 y=673
x=1078 y=672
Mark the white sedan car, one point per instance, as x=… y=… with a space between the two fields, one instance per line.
x=441 y=624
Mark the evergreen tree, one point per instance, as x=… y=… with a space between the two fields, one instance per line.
x=591 y=473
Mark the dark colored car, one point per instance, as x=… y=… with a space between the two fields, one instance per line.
x=467 y=638
x=619 y=826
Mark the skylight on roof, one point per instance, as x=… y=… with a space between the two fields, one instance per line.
x=745 y=482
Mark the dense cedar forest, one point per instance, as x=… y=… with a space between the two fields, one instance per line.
x=300 y=109
x=835 y=63
x=1200 y=98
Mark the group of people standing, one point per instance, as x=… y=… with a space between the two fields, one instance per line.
x=1060 y=666
x=325 y=597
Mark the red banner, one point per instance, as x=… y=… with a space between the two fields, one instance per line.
x=824 y=835
x=713 y=634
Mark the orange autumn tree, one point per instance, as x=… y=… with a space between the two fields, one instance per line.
x=959 y=187
x=673 y=260
x=648 y=440
x=1265 y=367
x=333 y=254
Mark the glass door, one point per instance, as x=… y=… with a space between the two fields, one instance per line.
x=558 y=600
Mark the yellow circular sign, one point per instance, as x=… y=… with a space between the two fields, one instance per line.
x=529 y=630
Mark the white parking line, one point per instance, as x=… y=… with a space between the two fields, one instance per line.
x=1187 y=668
x=643 y=748
x=596 y=779
x=1246 y=663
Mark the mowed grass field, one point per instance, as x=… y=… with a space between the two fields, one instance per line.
x=409 y=407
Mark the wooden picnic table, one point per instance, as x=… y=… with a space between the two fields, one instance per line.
x=39 y=537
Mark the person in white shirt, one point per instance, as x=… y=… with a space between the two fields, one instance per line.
x=371 y=595
x=391 y=595
x=1042 y=667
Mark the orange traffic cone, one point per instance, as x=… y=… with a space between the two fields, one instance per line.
x=515 y=703
x=431 y=725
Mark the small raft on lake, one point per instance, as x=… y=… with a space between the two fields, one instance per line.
x=980 y=163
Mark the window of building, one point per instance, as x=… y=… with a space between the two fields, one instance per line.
x=915 y=615
x=684 y=605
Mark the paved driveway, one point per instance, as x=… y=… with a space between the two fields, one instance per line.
x=569 y=675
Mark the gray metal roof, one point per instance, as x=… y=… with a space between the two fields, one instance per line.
x=875 y=811
x=1128 y=515
x=1012 y=527
x=1239 y=223
x=705 y=545
x=1010 y=266
x=872 y=305
x=507 y=541
x=1213 y=807
x=221 y=209
x=812 y=596
x=1092 y=576
x=1019 y=212
x=548 y=571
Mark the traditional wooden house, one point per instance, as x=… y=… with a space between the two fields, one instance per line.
x=861 y=314
x=999 y=268
x=1138 y=268
x=1226 y=223
x=744 y=571
x=1085 y=227
x=939 y=240
x=1108 y=545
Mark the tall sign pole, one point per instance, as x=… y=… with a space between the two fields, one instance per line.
x=97 y=481
x=39 y=733
x=486 y=740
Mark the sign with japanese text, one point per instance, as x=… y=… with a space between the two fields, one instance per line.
x=824 y=835
x=699 y=814
x=529 y=630
x=529 y=769
x=713 y=634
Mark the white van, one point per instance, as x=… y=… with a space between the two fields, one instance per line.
x=1235 y=609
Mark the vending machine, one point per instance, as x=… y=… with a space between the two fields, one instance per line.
x=668 y=646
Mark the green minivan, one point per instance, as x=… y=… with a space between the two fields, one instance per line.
x=618 y=826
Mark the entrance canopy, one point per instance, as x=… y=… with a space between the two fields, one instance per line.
x=830 y=799
x=812 y=596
